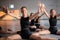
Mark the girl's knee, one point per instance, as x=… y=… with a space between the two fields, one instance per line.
x=35 y=37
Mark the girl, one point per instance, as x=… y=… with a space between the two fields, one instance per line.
x=25 y=32
x=34 y=24
x=53 y=21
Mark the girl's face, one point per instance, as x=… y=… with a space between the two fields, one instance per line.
x=53 y=12
x=24 y=10
x=31 y=14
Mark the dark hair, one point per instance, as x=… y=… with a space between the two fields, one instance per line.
x=4 y=9
x=51 y=10
x=23 y=7
x=31 y=14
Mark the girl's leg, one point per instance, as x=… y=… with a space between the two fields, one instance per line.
x=58 y=32
x=44 y=32
x=35 y=36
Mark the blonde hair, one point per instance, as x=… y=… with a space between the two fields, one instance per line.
x=41 y=5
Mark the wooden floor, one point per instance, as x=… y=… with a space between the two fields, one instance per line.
x=11 y=37
x=17 y=37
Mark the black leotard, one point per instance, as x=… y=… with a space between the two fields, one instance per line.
x=32 y=22
x=37 y=23
x=53 y=22
x=25 y=32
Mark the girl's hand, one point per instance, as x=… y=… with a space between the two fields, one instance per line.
x=39 y=10
x=41 y=7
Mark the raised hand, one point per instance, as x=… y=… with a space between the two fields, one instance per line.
x=39 y=10
x=41 y=7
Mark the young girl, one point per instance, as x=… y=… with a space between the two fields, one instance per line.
x=53 y=21
x=25 y=32
x=34 y=24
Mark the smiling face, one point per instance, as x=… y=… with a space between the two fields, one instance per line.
x=52 y=12
x=24 y=11
x=31 y=14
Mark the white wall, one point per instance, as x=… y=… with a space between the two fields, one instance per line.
x=32 y=5
x=58 y=6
